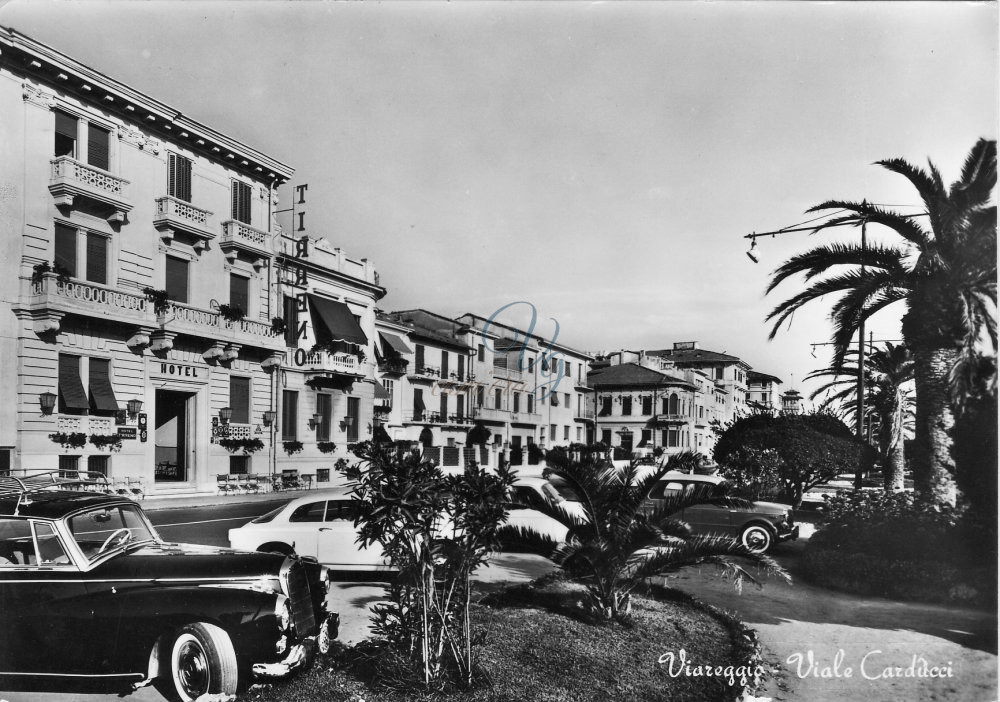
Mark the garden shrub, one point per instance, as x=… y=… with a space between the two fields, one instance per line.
x=899 y=545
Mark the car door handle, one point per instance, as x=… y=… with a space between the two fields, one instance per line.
x=325 y=529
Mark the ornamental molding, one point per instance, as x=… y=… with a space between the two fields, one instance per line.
x=35 y=95
x=139 y=140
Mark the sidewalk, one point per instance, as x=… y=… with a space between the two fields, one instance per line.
x=205 y=499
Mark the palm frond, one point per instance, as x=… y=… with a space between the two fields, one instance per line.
x=701 y=550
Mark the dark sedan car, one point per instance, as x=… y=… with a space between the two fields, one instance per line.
x=757 y=525
x=89 y=591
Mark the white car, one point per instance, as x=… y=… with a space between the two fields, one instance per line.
x=319 y=524
x=529 y=493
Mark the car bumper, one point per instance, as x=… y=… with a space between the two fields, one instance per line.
x=790 y=535
x=300 y=655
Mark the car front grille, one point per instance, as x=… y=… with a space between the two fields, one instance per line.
x=300 y=601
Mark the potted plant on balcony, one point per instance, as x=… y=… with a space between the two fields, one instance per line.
x=247 y=445
x=68 y=440
x=292 y=447
x=106 y=441
x=326 y=446
x=40 y=269
x=159 y=298
x=278 y=326
x=232 y=313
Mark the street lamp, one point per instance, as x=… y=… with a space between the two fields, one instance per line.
x=47 y=401
x=269 y=417
x=133 y=406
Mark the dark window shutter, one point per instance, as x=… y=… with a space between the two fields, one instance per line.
x=444 y=407
x=239 y=399
x=172 y=175
x=72 y=396
x=289 y=415
x=418 y=403
x=461 y=367
x=97 y=258
x=353 y=405
x=66 y=125
x=65 y=248
x=241 y=202
x=239 y=292
x=291 y=321
x=419 y=357
x=102 y=395
x=65 y=141
x=177 y=279
x=324 y=408
x=179 y=177
x=98 y=146
x=444 y=364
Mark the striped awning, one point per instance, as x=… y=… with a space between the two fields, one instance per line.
x=391 y=341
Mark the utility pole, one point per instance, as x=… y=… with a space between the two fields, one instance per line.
x=859 y=469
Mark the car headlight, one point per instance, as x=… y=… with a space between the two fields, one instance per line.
x=282 y=612
x=324 y=577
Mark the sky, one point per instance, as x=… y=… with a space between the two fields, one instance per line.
x=602 y=161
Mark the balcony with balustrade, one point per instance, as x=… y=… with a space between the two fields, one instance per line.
x=332 y=366
x=181 y=318
x=237 y=236
x=173 y=215
x=424 y=373
x=393 y=366
x=71 y=179
x=46 y=298
x=428 y=417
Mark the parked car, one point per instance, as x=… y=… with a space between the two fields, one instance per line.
x=758 y=526
x=89 y=591
x=528 y=494
x=319 y=524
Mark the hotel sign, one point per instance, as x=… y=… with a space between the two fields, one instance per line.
x=179 y=370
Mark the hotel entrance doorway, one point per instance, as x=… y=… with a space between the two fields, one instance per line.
x=175 y=423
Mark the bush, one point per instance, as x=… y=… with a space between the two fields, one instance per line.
x=898 y=545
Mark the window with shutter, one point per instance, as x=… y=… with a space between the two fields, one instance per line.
x=241 y=202
x=179 y=178
x=65 y=143
x=97 y=258
x=419 y=357
x=353 y=407
x=289 y=415
x=177 y=279
x=72 y=396
x=239 y=292
x=291 y=309
x=102 y=395
x=98 y=147
x=444 y=364
x=239 y=399
x=65 y=248
x=517 y=402
x=324 y=408
x=461 y=367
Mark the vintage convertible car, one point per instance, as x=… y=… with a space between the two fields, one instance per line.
x=89 y=591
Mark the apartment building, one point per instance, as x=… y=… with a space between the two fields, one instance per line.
x=729 y=373
x=144 y=285
x=473 y=389
x=762 y=390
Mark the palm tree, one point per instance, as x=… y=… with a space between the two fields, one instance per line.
x=888 y=374
x=614 y=544
x=945 y=273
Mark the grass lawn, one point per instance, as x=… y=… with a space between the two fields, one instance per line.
x=530 y=645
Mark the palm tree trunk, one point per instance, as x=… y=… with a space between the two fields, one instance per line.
x=895 y=465
x=931 y=460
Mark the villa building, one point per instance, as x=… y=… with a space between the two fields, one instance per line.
x=146 y=289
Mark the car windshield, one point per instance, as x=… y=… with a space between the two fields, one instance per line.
x=97 y=531
x=561 y=489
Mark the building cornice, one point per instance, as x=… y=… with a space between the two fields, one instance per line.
x=49 y=67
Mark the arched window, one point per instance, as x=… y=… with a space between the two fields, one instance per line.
x=674 y=404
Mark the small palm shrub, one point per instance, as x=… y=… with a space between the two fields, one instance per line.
x=616 y=542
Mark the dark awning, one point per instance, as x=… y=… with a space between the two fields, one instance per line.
x=380 y=435
x=71 y=391
x=333 y=321
x=101 y=391
x=394 y=342
x=381 y=393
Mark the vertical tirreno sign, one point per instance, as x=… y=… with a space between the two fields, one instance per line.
x=301 y=275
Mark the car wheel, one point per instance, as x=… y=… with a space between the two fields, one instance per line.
x=202 y=662
x=756 y=538
x=277 y=547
